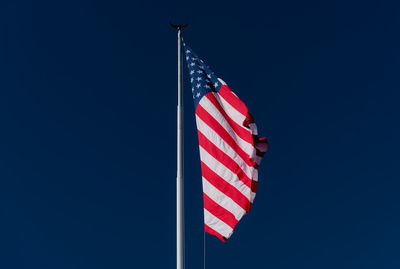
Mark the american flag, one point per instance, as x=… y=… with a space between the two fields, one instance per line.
x=230 y=149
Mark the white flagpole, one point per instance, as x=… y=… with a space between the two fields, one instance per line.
x=179 y=174
x=179 y=165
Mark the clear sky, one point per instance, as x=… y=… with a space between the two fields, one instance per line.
x=88 y=132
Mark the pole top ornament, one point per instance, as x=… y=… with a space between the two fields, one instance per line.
x=178 y=26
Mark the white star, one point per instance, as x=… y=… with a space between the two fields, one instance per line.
x=192 y=72
x=192 y=64
x=192 y=89
x=216 y=84
x=198 y=95
x=198 y=85
x=198 y=79
x=193 y=58
x=208 y=75
x=207 y=86
x=187 y=58
x=187 y=51
x=199 y=71
x=191 y=79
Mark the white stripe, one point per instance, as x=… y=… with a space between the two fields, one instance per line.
x=252 y=196
x=255 y=175
x=214 y=138
x=217 y=225
x=214 y=112
x=223 y=200
x=224 y=172
x=235 y=115
x=253 y=128
x=222 y=82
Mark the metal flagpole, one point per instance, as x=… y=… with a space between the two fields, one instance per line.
x=179 y=174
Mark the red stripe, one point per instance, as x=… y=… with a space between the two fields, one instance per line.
x=209 y=230
x=226 y=188
x=223 y=158
x=254 y=185
x=216 y=126
x=240 y=131
x=219 y=212
x=233 y=100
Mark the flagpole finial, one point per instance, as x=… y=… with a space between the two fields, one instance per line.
x=178 y=26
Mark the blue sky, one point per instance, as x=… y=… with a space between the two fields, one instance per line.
x=88 y=116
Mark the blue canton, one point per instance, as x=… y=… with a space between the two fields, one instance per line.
x=202 y=78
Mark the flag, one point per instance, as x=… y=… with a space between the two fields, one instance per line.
x=230 y=149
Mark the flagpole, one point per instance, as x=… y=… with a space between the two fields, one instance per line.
x=179 y=174
x=179 y=165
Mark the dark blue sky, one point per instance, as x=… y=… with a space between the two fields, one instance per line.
x=87 y=141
